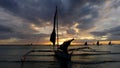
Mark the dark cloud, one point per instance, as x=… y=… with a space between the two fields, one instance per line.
x=31 y=10
x=38 y=12
x=21 y=36
x=10 y=5
x=113 y=33
x=4 y=29
x=35 y=11
x=99 y=34
x=78 y=9
x=116 y=3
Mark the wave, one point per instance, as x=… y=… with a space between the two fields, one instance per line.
x=73 y=62
x=81 y=54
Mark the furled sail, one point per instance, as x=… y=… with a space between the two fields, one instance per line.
x=53 y=34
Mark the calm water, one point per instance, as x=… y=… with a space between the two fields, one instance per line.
x=104 y=56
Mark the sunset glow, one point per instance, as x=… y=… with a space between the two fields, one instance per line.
x=32 y=21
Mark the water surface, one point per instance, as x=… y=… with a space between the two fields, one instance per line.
x=104 y=56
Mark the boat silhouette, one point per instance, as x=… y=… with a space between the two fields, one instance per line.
x=98 y=43
x=109 y=43
x=86 y=43
x=61 y=51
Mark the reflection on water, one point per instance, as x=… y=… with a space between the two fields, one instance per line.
x=103 y=57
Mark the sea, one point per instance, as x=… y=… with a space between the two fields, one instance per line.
x=103 y=56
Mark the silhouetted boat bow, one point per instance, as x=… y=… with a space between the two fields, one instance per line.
x=62 y=51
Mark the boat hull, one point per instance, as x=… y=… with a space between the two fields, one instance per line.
x=62 y=55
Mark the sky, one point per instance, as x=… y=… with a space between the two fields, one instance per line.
x=31 y=21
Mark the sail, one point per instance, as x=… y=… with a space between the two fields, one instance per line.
x=53 y=34
x=53 y=37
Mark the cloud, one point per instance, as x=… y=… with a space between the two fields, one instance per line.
x=31 y=10
x=112 y=34
x=15 y=23
x=69 y=10
x=98 y=34
x=8 y=4
x=78 y=10
x=4 y=29
x=23 y=38
x=92 y=17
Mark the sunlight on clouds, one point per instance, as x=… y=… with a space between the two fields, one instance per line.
x=108 y=16
x=104 y=38
x=62 y=32
x=9 y=40
x=44 y=29
x=88 y=38
x=75 y=27
x=63 y=39
x=35 y=27
x=78 y=19
x=101 y=38
x=87 y=17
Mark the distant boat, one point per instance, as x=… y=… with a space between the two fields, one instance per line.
x=86 y=43
x=62 y=50
x=109 y=43
x=98 y=43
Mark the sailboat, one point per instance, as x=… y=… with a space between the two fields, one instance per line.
x=60 y=51
x=109 y=43
x=86 y=43
x=97 y=43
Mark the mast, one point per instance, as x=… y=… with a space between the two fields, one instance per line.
x=57 y=26
x=53 y=34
